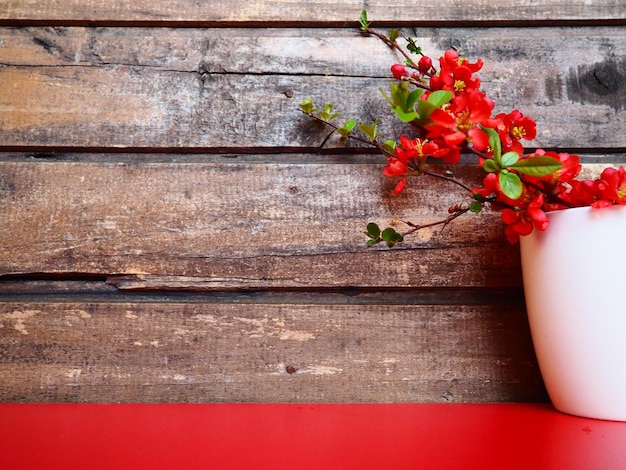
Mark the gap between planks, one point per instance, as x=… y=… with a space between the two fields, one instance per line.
x=103 y=289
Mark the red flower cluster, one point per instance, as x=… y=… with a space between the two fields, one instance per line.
x=410 y=152
x=469 y=109
x=539 y=195
x=522 y=187
x=451 y=115
x=607 y=190
x=461 y=122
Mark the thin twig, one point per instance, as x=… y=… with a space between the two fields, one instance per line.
x=335 y=127
x=457 y=213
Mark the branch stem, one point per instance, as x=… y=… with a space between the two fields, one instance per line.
x=415 y=228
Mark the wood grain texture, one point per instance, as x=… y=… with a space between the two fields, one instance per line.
x=238 y=225
x=239 y=89
x=198 y=352
x=225 y=226
x=169 y=231
x=322 y=11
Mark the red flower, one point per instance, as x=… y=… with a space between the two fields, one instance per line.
x=462 y=80
x=490 y=186
x=408 y=150
x=395 y=167
x=460 y=121
x=455 y=73
x=521 y=221
x=570 y=169
x=512 y=128
x=578 y=193
x=611 y=187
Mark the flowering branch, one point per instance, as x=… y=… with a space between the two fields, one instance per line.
x=450 y=115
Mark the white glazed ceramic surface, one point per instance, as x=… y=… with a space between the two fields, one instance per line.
x=575 y=289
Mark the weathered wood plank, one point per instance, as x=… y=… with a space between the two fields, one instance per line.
x=223 y=226
x=320 y=11
x=230 y=225
x=226 y=89
x=205 y=352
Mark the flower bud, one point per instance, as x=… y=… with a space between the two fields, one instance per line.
x=399 y=71
x=425 y=64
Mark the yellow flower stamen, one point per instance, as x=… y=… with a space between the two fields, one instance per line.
x=463 y=122
x=518 y=132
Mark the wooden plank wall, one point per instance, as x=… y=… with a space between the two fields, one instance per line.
x=170 y=229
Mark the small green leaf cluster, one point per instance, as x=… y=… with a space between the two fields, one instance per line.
x=363 y=21
x=388 y=235
x=408 y=106
x=509 y=166
x=327 y=114
x=412 y=46
x=370 y=130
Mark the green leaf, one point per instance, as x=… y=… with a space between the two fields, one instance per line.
x=413 y=47
x=389 y=146
x=343 y=132
x=509 y=159
x=307 y=105
x=412 y=98
x=373 y=230
x=365 y=24
x=347 y=128
x=327 y=113
x=400 y=95
x=475 y=207
x=396 y=94
x=425 y=109
x=405 y=116
x=439 y=98
x=403 y=98
x=490 y=166
x=369 y=131
x=393 y=35
x=539 y=166
x=510 y=184
x=494 y=143
x=392 y=237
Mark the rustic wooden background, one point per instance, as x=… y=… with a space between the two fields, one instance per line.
x=171 y=231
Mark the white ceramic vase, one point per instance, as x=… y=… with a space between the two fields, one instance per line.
x=575 y=288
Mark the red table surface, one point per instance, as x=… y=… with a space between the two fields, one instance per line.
x=297 y=436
